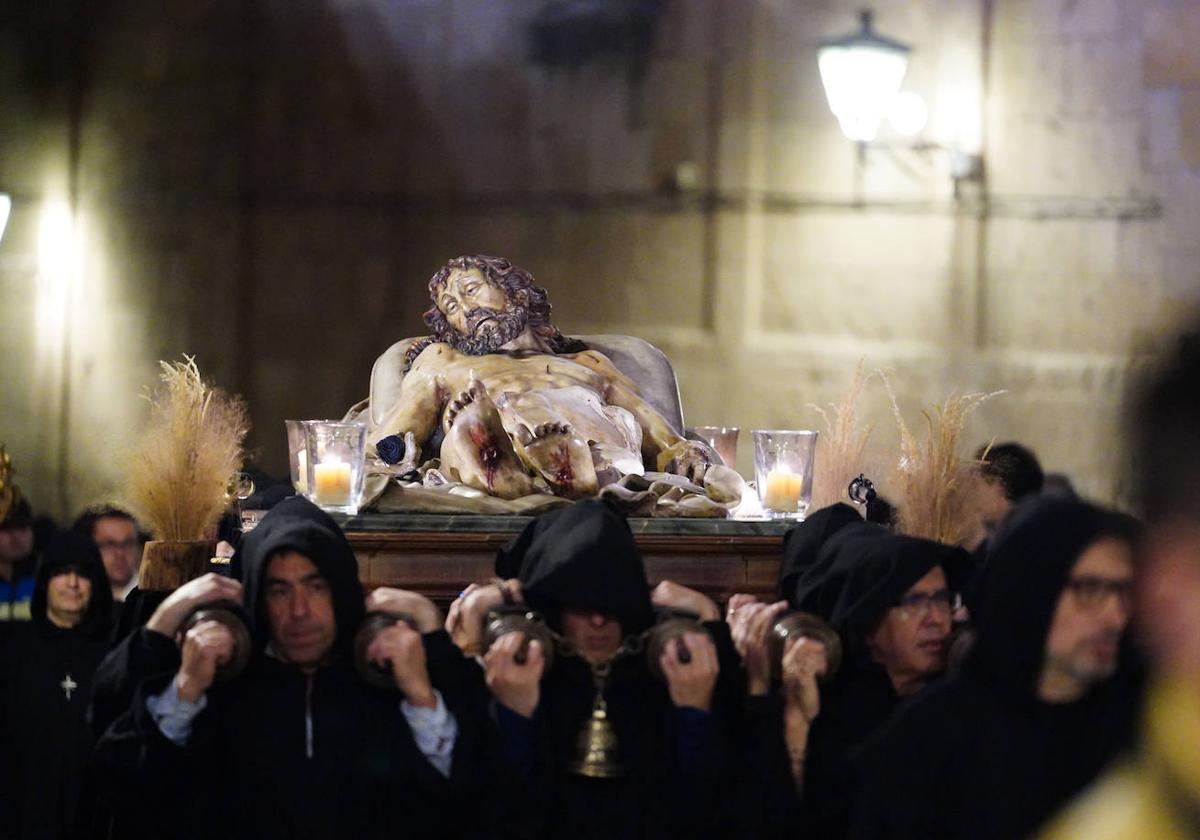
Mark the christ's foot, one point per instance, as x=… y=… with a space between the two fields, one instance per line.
x=477 y=450
x=561 y=457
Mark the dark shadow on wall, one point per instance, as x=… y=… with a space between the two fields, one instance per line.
x=234 y=154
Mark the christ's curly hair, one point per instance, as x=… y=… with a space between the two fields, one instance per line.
x=521 y=290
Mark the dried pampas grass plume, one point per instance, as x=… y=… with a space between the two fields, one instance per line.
x=842 y=447
x=181 y=467
x=935 y=486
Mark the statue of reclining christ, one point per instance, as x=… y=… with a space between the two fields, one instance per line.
x=523 y=408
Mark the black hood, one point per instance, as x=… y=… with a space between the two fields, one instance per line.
x=297 y=524
x=1029 y=560
x=293 y=506
x=70 y=550
x=584 y=557
x=802 y=544
x=863 y=570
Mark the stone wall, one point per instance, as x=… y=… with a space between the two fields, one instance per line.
x=267 y=184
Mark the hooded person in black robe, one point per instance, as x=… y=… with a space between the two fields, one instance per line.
x=45 y=677
x=984 y=754
x=140 y=652
x=288 y=749
x=583 y=559
x=862 y=573
x=767 y=790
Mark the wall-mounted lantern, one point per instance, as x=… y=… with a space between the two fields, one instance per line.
x=862 y=74
x=5 y=209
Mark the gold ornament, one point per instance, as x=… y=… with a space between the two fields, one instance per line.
x=10 y=493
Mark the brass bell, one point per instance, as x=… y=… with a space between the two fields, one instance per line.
x=375 y=622
x=229 y=614
x=794 y=624
x=516 y=618
x=596 y=755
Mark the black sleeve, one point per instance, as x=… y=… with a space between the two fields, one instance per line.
x=486 y=795
x=141 y=655
x=518 y=797
x=166 y=790
x=763 y=800
x=908 y=776
x=692 y=793
x=459 y=678
x=705 y=763
x=9 y=764
x=731 y=684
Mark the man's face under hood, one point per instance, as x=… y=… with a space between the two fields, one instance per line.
x=596 y=636
x=1083 y=644
x=297 y=525
x=910 y=639
x=299 y=605
x=16 y=543
x=583 y=557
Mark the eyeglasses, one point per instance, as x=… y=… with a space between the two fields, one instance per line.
x=923 y=603
x=124 y=545
x=1092 y=592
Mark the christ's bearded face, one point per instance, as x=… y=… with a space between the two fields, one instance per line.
x=480 y=312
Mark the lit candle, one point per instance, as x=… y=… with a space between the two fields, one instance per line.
x=331 y=482
x=783 y=491
x=302 y=472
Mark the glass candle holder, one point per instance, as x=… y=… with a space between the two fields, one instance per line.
x=334 y=452
x=724 y=439
x=783 y=464
x=297 y=454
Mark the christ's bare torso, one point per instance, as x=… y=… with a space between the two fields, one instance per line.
x=566 y=417
x=519 y=371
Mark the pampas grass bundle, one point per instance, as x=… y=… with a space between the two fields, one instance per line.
x=842 y=448
x=935 y=487
x=181 y=467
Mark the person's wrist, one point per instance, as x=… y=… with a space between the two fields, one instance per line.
x=794 y=714
x=188 y=687
x=757 y=686
x=428 y=620
x=477 y=606
x=523 y=703
x=422 y=696
x=164 y=622
x=703 y=702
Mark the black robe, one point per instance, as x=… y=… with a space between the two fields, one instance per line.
x=766 y=795
x=253 y=767
x=585 y=557
x=45 y=678
x=980 y=756
x=860 y=572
